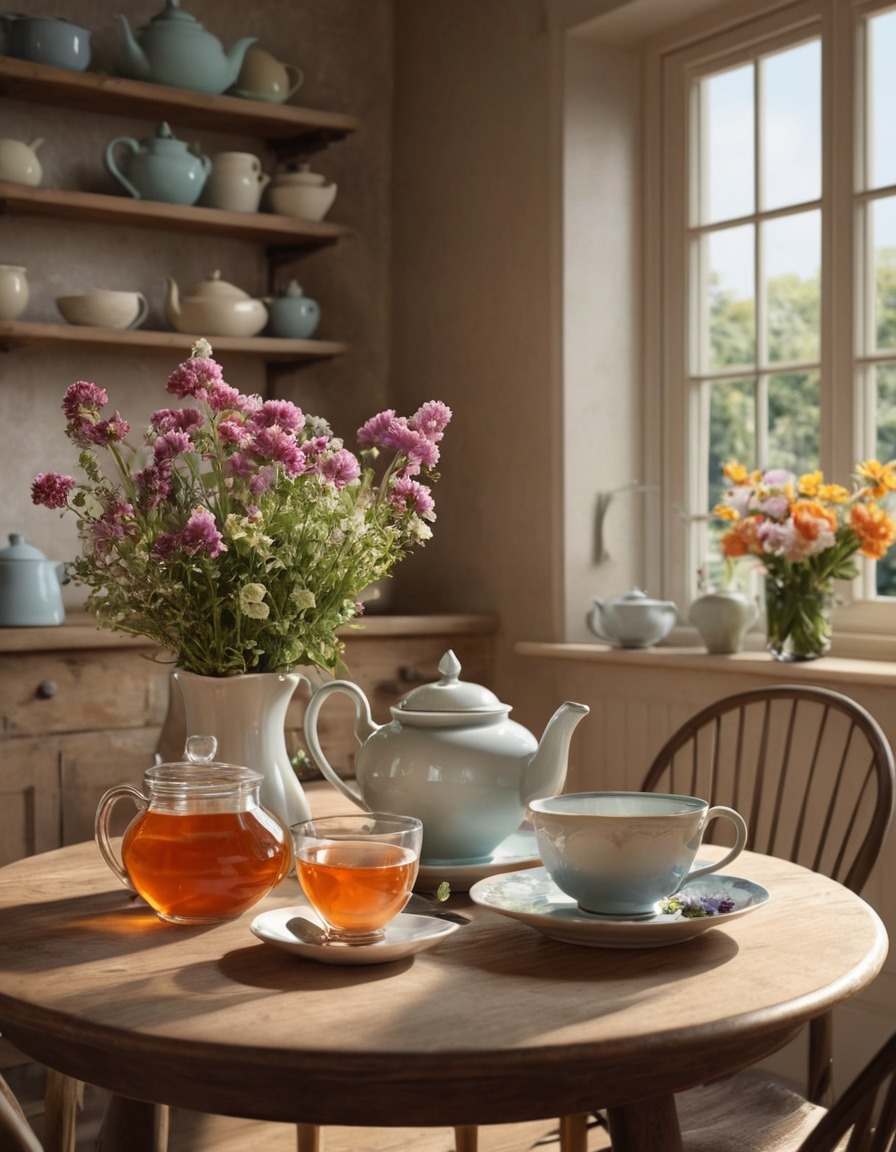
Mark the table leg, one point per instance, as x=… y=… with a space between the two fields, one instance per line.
x=647 y=1126
x=574 y=1132
x=466 y=1138
x=308 y=1138
x=133 y=1126
x=63 y=1099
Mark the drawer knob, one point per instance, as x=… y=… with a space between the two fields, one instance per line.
x=47 y=689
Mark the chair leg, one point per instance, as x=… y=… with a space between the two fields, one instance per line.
x=466 y=1138
x=821 y=1060
x=308 y=1138
x=574 y=1132
x=63 y=1099
x=133 y=1124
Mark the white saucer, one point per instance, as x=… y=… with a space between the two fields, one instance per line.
x=517 y=851
x=534 y=899
x=405 y=935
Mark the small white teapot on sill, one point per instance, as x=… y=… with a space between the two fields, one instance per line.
x=632 y=620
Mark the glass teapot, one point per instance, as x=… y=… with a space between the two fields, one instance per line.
x=201 y=848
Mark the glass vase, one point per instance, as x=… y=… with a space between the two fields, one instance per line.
x=798 y=617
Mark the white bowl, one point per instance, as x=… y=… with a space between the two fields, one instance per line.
x=310 y=201
x=104 y=308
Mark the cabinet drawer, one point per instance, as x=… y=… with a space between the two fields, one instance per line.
x=42 y=693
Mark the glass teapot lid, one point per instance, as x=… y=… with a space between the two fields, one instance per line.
x=451 y=695
x=199 y=774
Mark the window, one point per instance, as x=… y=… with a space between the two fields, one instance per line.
x=777 y=212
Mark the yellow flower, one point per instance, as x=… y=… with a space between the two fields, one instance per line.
x=735 y=472
x=880 y=478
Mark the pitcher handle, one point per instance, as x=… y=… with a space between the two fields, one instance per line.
x=101 y=826
x=134 y=146
x=142 y=311
x=739 y=844
x=364 y=728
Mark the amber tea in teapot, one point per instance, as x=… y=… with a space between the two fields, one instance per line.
x=201 y=848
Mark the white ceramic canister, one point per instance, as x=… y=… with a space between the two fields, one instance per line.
x=13 y=291
x=235 y=183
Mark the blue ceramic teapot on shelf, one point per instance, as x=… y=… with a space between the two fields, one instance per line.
x=30 y=593
x=162 y=168
x=175 y=49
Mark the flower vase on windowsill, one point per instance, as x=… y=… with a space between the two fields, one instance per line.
x=805 y=533
x=238 y=535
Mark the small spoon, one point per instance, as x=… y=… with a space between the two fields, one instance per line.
x=307 y=932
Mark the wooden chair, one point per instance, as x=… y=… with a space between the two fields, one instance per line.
x=812 y=773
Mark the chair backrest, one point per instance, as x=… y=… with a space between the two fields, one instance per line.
x=866 y=1110
x=809 y=769
x=16 y=1134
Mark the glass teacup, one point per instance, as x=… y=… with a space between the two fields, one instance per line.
x=357 y=870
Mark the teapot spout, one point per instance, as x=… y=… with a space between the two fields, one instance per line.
x=236 y=55
x=547 y=768
x=172 y=299
x=134 y=61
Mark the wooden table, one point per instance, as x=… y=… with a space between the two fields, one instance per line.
x=498 y=1024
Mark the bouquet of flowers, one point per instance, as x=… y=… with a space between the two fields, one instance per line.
x=240 y=533
x=806 y=533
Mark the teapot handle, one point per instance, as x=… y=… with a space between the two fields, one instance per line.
x=364 y=728
x=101 y=827
x=589 y=619
x=113 y=167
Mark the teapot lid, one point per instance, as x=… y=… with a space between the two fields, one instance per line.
x=450 y=694
x=164 y=141
x=20 y=549
x=300 y=175
x=635 y=596
x=175 y=16
x=200 y=774
x=219 y=289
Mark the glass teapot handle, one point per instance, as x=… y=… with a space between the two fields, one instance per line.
x=101 y=827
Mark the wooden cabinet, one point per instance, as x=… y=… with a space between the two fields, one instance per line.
x=285 y=130
x=82 y=709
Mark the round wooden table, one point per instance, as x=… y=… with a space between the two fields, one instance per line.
x=497 y=1024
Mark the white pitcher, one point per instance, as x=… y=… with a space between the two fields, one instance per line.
x=235 y=183
x=13 y=291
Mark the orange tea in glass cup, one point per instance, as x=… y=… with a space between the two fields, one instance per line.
x=201 y=848
x=357 y=870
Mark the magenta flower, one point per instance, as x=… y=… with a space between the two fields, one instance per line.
x=153 y=483
x=194 y=377
x=278 y=414
x=82 y=398
x=371 y=433
x=177 y=420
x=431 y=418
x=171 y=445
x=340 y=469
x=106 y=432
x=407 y=441
x=280 y=447
x=231 y=430
x=221 y=397
x=408 y=495
x=51 y=489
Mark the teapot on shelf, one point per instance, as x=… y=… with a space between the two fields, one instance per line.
x=161 y=168
x=30 y=594
x=19 y=163
x=214 y=308
x=451 y=757
x=175 y=49
x=292 y=314
x=632 y=620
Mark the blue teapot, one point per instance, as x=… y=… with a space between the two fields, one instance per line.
x=292 y=314
x=162 y=168
x=175 y=49
x=30 y=593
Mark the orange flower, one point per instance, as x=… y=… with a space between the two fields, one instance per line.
x=874 y=528
x=880 y=478
x=811 y=518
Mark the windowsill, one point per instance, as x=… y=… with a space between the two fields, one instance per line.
x=753 y=662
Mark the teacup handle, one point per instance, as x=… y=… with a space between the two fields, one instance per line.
x=740 y=843
x=101 y=826
x=294 y=76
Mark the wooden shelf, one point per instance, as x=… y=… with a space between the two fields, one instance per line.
x=18 y=334
x=285 y=128
x=94 y=208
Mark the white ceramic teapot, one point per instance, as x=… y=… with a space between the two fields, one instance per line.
x=215 y=308
x=632 y=620
x=452 y=758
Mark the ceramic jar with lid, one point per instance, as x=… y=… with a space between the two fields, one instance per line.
x=301 y=192
x=292 y=314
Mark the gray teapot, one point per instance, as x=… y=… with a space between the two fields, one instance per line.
x=632 y=620
x=175 y=49
x=29 y=586
x=162 y=168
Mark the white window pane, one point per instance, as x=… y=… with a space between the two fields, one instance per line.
x=792 y=258
x=883 y=231
x=729 y=301
x=727 y=145
x=882 y=100
x=794 y=421
x=791 y=126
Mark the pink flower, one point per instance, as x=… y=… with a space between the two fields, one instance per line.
x=199 y=534
x=407 y=441
x=193 y=377
x=278 y=414
x=341 y=468
x=275 y=444
x=154 y=483
x=431 y=418
x=232 y=430
x=51 y=489
x=177 y=420
x=171 y=444
x=82 y=398
x=106 y=432
x=371 y=433
x=222 y=398
x=408 y=495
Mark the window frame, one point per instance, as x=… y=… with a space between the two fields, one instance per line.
x=671 y=64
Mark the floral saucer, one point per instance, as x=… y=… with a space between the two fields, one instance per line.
x=534 y=899
x=517 y=851
x=405 y=935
